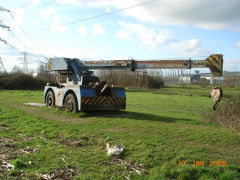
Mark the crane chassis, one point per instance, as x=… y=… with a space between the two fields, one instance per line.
x=77 y=89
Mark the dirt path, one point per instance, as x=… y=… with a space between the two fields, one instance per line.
x=39 y=112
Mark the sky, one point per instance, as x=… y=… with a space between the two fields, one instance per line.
x=119 y=29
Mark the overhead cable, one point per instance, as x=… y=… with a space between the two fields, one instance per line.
x=27 y=35
x=96 y=16
x=23 y=4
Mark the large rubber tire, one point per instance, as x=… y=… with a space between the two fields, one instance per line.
x=50 y=99
x=70 y=103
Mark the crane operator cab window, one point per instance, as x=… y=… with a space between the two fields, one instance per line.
x=61 y=77
x=89 y=80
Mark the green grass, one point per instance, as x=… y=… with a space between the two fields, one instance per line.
x=158 y=129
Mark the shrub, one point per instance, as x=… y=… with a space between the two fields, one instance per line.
x=227 y=113
x=203 y=82
x=231 y=81
x=17 y=81
x=126 y=78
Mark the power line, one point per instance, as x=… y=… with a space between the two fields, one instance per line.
x=23 y=4
x=8 y=28
x=43 y=5
x=27 y=35
x=2 y=67
x=30 y=37
x=8 y=44
x=5 y=42
x=96 y=16
x=25 y=62
x=11 y=47
x=34 y=55
x=4 y=26
x=4 y=9
x=24 y=31
x=16 y=49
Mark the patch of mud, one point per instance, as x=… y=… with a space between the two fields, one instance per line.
x=129 y=167
x=4 y=128
x=29 y=150
x=73 y=142
x=9 y=150
x=62 y=173
x=83 y=141
x=7 y=153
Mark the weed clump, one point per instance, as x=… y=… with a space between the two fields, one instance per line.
x=19 y=164
x=227 y=113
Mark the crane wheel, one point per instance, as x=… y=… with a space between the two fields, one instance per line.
x=50 y=99
x=70 y=103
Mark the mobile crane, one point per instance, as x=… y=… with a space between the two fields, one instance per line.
x=81 y=91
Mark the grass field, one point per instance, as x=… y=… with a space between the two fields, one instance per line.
x=158 y=129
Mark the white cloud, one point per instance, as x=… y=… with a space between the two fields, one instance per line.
x=123 y=35
x=33 y=1
x=72 y=52
x=68 y=2
x=107 y=9
x=205 y=14
x=231 y=65
x=46 y=13
x=82 y=30
x=187 y=47
x=238 y=44
x=160 y=38
x=56 y=25
x=98 y=29
x=144 y=35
